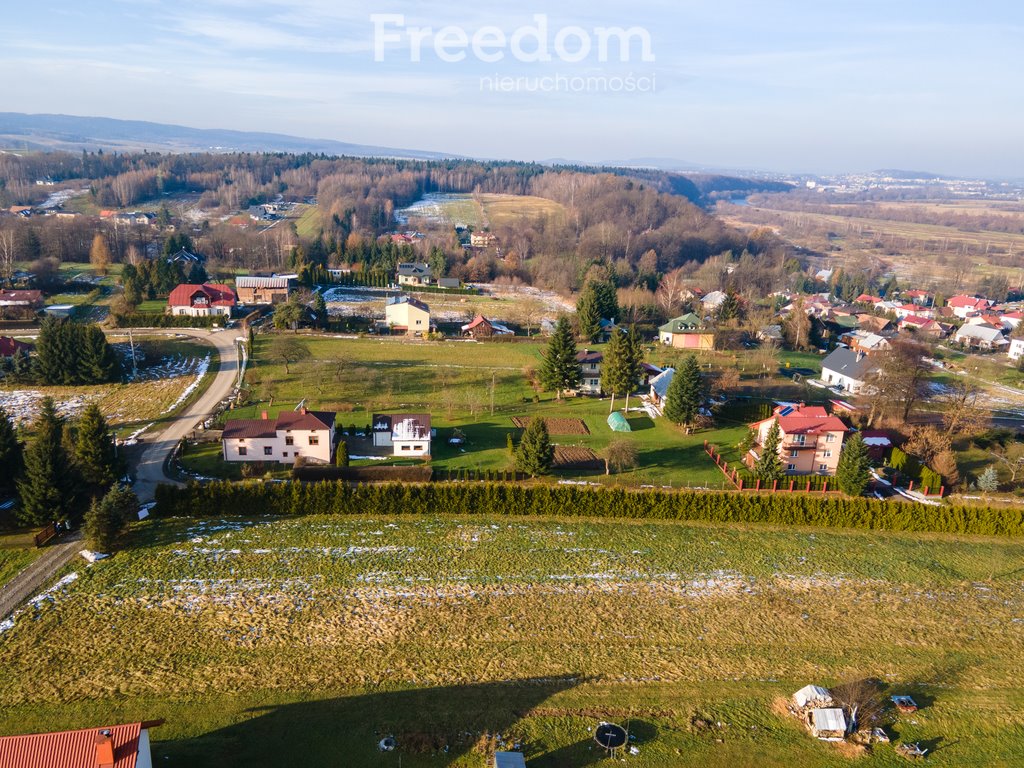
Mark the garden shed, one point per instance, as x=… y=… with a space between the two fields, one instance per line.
x=617 y=421
x=827 y=724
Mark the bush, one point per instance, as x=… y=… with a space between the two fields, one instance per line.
x=249 y=498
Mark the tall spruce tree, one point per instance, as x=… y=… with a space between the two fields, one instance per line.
x=97 y=363
x=768 y=467
x=853 y=472
x=11 y=454
x=560 y=369
x=619 y=370
x=95 y=454
x=588 y=313
x=685 y=395
x=535 y=452
x=47 y=486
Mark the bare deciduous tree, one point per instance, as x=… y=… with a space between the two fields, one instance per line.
x=962 y=413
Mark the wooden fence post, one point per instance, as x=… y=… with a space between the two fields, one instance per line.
x=757 y=485
x=792 y=484
x=775 y=485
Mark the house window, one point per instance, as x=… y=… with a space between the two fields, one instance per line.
x=289 y=440
x=243 y=451
x=268 y=450
x=285 y=454
x=826 y=454
x=793 y=454
x=314 y=440
x=830 y=437
x=790 y=467
x=823 y=467
x=799 y=439
x=406 y=447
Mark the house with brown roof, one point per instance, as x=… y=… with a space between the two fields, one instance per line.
x=590 y=372
x=115 y=746
x=206 y=300
x=9 y=346
x=407 y=434
x=305 y=433
x=26 y=299
x=811 y=439
x=482 y=328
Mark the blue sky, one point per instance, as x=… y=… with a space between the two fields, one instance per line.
x=801 y=85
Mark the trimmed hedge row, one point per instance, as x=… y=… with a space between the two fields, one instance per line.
x=249 y=498
x=160 y=320
x=416 y=474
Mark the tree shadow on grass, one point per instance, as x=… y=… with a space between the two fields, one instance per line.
x=431 y=726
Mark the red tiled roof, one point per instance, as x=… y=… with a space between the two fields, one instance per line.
x=220 y=295
x=805 y=419
x=967 y=301
x=478 y=320
x=915 y=320
x=70 y=749
x=27 y=297
x=9 y=346
x=865 y=298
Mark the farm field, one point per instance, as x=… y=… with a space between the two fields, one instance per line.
x=919 y=252
x=478 y=211
x=438 y=630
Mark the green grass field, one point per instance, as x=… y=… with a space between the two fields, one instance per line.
x=452 y=382
x=15 y=556
x=305 y=641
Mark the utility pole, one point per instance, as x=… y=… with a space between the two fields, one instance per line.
x=131 y=343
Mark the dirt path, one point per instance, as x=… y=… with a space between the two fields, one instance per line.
x=31 y=580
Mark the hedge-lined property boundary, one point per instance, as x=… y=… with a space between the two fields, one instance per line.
x=253 y=498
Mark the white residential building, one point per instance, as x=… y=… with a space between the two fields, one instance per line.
x=305 y=433
x=408 y=434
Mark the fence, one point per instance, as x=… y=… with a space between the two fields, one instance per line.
x=739 y=479
x=45 y=535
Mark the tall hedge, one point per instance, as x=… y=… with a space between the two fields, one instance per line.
x=248 y=498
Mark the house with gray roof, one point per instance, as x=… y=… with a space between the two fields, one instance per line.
x=847 y=369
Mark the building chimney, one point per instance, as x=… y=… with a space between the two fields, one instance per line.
x=265 y=416
x=303 y=410
x=104 y=750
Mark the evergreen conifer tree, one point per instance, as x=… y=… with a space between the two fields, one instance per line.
x=535 y=452
x=95 y=454
x=97 y=363
x=619 y=368
x=768 y=467
x=341 y=454
x=11 y=454
x=560 y=369
x=685 y=394
x=47 y=487
x=588 y=313
x=853 y=473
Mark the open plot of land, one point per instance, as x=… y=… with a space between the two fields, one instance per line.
x=575 y=457
x=479 y=211
x=452 y=381
x=436 y=630
x=556 y=426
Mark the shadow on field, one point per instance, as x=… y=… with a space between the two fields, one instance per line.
x=431 y=726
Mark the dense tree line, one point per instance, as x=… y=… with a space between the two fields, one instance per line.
x=249 y=498
x=71 y=353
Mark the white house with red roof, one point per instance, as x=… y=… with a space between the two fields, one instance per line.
x=965 y=306
x=305 y=433
x=867 y=298
x=905 y=310
x=1011 y=320
x=811 y=439
x=922 y=325
x=407 y=434
x=1016 y=349
x=206 y=300
x=115 y=746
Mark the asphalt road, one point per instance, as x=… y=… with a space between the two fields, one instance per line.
x=157 y=446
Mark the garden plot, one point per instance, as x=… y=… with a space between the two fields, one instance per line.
x=556 y=425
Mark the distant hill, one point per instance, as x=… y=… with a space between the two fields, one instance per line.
x=71 y=133
x=897 y=173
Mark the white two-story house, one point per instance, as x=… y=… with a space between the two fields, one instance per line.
x=309 y=434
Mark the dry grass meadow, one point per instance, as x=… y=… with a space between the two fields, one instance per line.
x=445 y=631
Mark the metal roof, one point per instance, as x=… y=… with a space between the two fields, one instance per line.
x=71 y=749
x=831 y=719
x=509 y=760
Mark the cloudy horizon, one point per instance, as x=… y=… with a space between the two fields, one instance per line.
x=819 y=88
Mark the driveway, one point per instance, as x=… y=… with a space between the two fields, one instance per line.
x=157 y=446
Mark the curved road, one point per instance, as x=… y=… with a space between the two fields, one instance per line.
x=157 y=446
x=150 y=469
